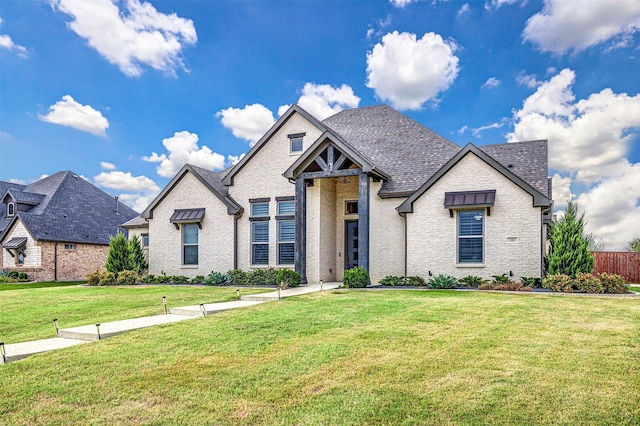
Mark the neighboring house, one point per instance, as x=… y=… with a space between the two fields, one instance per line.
x=139 y=226
x=366 y=187
x=58 y=228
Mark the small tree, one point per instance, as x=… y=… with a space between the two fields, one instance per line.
x=135 y=256
x=569 y=247
x=634 y=245
x=118 y=258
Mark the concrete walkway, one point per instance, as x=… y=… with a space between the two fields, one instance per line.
x=77 y=335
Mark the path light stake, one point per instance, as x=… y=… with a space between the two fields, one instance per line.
x=3 y=353
x=164 y=302
x=204 y=312
x=98 y=328
x=238 y=293
x=55 y=324
x=278 y=293
x=321 y=283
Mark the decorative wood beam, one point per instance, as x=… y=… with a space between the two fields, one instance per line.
x=322 y=164
x=330 y=156
x=334 y=173
x=300 y=256
x=339 y=162
x=363 y=221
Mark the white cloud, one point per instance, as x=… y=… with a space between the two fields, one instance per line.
x=183 y=148
x=491 y=83
x=234 y=159
x=18 y=181
x=282 y=109
x=563 y=25
x=107 y=166
x=476 y=131
x=528 y=80
x=68 y=112
x=561 y=190
x=590 y=136
x=402 y=3
x=495 y=4
x=138 y=202
x=137 y=35
x=7 y=43
x=249 y=123
x=125 y=182
x=611 y=207
x=465 y=9
x=409 y=72
x=323 y=100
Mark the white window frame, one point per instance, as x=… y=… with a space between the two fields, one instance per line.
x=11 y=209
x=70 y=246
x=190 y=244
x=291 y=141
x=255 y=244
x=460 y=237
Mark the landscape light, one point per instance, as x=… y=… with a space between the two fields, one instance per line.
x=278 y=293
x=238 y=293
x=204 y=312
x=55 y=324
x=3 y=353
x=321 y=283
x=98 y=328
x=164 y=302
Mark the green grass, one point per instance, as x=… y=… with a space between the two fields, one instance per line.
x=38 y=284
x=352 y=357
x=28 y=314
x=635 y=288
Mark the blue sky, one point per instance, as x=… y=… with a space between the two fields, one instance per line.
x=124 y=92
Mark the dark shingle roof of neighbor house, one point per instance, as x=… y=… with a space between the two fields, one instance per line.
x=406 y=150
x=72 y=210
x=4 y=187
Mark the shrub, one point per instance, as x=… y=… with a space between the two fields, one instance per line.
x=588 y=283
x=4 y=279
x=217 y=278
x=162 y=279
x=355 y=278
x=118 y=257
x=179 y=279
x=501 y=279
x=4 y=273
x=14 y=275
x=198 y=279
x=149 y=279
x=531 y=281
x=135 y=255
x=415 y=281
x=22 y=276
x=471 y=281
x=391 y=280
x=559 y=282
x=94 y=278
x=107 y=278
x=443 y=281
x=238 y=277
x=127 y=278
x=262 y=277
x=287 y=278
x=613 y=283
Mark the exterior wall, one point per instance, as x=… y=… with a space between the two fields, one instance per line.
x=32 y=252
x=344 y=192
x=138 y=232
x=261 y=177
x=386 y=237
x=74 y=264
x=215 y=239
x=432 y=233
x=321 y=223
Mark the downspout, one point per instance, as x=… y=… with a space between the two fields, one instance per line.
x=404 y=216
x=55 y=261
x=235 y=240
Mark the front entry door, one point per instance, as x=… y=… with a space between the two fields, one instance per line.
x=351 y=244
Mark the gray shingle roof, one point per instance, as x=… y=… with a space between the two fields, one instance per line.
x=404 y=149
x=73 y=210
x=4 y=187
x=136 y=222
x=23 y=197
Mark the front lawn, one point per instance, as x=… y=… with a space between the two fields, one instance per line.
x=28 y=313
x=352 y=357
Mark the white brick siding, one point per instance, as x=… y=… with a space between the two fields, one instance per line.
x=386 y=238
x=32 y=252
x=432 y=233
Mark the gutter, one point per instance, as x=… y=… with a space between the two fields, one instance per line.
x=404 y=216
x=55 y=261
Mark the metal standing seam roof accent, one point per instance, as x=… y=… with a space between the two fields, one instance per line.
x=187 y=215
x=470 y=198
x=15 y=243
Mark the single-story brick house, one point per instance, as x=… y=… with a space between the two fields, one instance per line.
x=366 y=187
x=58 y=228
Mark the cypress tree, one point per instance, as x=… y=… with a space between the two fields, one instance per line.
x=117 y=260
x=135 y=256
x=569 y=252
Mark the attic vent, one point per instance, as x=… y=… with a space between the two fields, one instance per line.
x=510 y=166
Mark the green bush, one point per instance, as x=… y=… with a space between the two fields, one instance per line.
x=198 y=279
x=510 y=286
x=94 y=278
x=179 y=279
x=238 y=277
x=162 y=279
x=23 y=276
x=355 y=278
x=559 y=282
x=107 y=278
x=127 y=278
x=535 y=282
x=613 y=283
x=471 y=281
x=415 y=281
x=443 y=281
x=149 y=279
x=5 y=279
x=393 y=281
x=287 y=278
x=588 y=283
x=501 y=279
x=259 y=277
x=217 y=278
x=14 y=275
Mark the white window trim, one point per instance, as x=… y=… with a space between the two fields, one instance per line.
x=252 y=244
x=483 y=236
x=11 y=206
x=183 y=245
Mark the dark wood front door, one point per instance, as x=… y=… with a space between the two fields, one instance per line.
x=351 y=244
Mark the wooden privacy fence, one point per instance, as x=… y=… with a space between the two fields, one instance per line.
x=622 y=263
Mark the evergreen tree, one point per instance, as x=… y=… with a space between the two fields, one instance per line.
x=135 y=255
x=118 y=258
x=634 y=245
x=569 y=247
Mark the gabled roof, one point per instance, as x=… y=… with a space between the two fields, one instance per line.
x=294 y=109
x=406 y=150
x=136 y=222
x=213 y=182
x=71 y=209
x=327 y=138
x=23 y=197
x=539 y=199
x=4 y=187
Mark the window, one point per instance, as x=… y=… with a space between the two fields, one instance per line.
x=260 y=243
x=145 y=240
x=470 y=236
x=295 y=142
x=190 y=244
x=260 y=209
x=286 y=241
x=11 y=209
x=286 y=208
x=69 y=246
x=351 y=207
x=20 y=259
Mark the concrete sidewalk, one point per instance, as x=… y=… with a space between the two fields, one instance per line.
x=68 y=337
